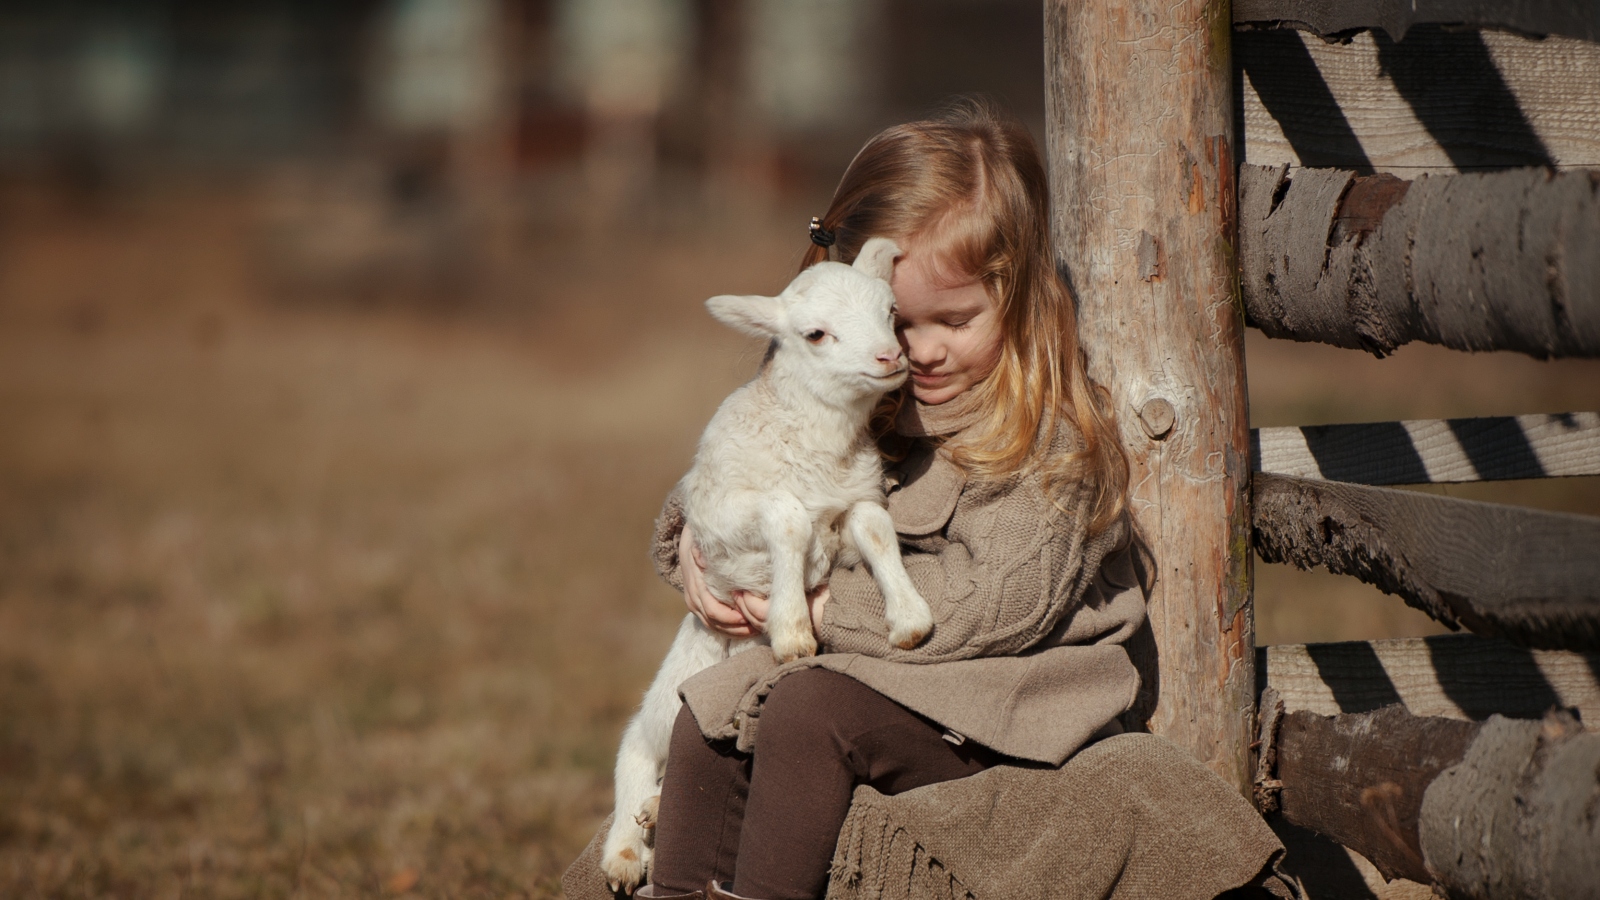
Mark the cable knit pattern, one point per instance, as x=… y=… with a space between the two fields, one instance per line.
x=1006 y=570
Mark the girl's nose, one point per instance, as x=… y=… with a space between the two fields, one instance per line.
x=921 y=351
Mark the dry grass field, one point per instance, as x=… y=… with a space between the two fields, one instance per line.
x=327 y=600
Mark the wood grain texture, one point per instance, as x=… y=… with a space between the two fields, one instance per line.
x=1574 y=18
x=1497 y=261
x=1530 y=576
x=1434 y=451
x=1517 y=817
x=1266 y=788
x=1455 y=676
x=1468 y=101
x=1139 y=134
x=1360 y=779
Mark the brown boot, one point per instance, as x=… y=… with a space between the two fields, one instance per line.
x=656 y=892
x=716 y=891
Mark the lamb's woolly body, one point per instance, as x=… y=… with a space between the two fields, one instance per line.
x=785 y=485
x=771 y=435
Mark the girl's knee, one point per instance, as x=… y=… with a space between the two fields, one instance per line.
x=808 y=700
x=807 y=687
x=685 y=732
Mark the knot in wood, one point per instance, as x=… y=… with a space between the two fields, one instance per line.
x=1157 y=417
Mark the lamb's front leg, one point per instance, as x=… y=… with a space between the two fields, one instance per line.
x=870 y=528
x=642 y=756
x=786 y=529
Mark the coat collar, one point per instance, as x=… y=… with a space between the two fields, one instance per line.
x=918 y=419
x=927 y=486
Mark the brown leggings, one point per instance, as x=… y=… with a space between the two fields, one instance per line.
x=769 y=822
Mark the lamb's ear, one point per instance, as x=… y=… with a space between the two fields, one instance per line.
x=752 y=314
x=877 y=257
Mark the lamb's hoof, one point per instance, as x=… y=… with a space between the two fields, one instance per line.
x=648 y=813
x=625 y=859
x=791 y=649
x=907 y=629
x=624 y=870
x=906 y=637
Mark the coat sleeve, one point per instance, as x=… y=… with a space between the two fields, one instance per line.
x=664 y=544
x=1016 y=566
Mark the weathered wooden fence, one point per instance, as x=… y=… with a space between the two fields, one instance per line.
x=1362 y=174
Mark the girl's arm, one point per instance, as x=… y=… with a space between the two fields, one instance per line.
x=665 y=544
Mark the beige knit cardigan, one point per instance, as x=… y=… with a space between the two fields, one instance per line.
x=1030 y=609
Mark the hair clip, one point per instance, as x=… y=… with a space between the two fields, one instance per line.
x=820 y=236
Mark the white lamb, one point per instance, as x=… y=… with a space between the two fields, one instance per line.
x=786 y=484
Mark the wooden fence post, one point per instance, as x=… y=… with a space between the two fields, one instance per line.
x=1140 y=140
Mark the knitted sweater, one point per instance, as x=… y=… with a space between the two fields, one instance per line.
x=1030 y=610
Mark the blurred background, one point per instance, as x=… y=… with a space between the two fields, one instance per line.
x=347 y=350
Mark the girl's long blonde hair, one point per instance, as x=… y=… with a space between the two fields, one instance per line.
x=969 y=186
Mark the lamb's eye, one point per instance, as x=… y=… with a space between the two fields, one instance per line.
x=815 y=335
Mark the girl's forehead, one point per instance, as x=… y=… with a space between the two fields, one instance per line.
x=936 y=301
x=922 y=286
x=935 y=257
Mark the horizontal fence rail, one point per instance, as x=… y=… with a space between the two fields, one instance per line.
x=1530 y=576
x=1480 y=809
x=1453 y=676
x=1441 y=101
x=1434 y=451
x=1392 y=748
x=1574 y=18
x=1501 y=261
x=1355 y=736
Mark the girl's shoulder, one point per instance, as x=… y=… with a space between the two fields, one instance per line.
x=1059 y=434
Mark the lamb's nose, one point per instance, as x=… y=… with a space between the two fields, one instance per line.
x=890 y=357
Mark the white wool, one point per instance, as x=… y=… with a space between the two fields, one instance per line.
x=786 y=484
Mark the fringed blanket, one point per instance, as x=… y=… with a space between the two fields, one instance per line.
x=1129 y=817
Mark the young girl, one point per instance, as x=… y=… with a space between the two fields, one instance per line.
x=1008 y=488
x=1008 y=492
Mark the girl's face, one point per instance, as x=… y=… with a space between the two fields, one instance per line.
x=951 y=333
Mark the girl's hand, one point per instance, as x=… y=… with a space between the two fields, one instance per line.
x=754 y=606
x=712 y=613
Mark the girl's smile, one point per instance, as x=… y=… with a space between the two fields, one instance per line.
x=950 y=332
